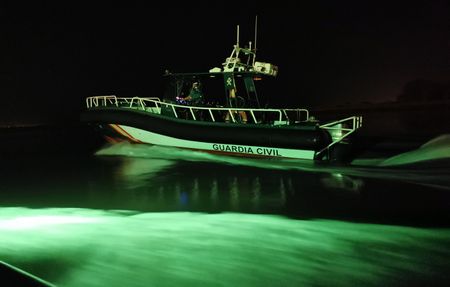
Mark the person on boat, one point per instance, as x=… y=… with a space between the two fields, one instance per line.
x=195 y=97
x=240 y=116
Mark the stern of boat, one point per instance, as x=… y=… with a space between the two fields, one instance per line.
x=340 y=133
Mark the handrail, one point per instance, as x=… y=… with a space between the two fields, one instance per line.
x=356 y=123
x=143 y=103
x=94 y=101
x=353 y=118
x=298 y=111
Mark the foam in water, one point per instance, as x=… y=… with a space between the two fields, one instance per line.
x=437 y=148
x=84 y=247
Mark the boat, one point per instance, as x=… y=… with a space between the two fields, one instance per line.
x=219 y=120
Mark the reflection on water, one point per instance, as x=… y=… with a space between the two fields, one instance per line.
x=195 y=181
x=203 y=186
x=342 y=182
x=82 y=247
x=151 y=216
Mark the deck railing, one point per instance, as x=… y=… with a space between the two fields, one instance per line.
x=200 y=113
x=340 y=130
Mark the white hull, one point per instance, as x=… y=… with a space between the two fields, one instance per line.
x=143 y=136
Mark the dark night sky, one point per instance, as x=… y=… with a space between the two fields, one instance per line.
x=328 y=52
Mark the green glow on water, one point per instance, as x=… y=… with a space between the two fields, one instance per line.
x=31 y=222
x=111 y=248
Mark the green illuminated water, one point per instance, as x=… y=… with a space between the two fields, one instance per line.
x=105 y=248
x=149 y=216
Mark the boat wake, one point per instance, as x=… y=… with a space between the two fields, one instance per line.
x=428 y=165
x=435 y=149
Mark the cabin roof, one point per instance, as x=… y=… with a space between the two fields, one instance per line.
x=214 y=74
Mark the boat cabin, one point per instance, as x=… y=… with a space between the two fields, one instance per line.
x=221 y=89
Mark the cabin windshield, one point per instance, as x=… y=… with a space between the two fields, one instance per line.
x=215 y=88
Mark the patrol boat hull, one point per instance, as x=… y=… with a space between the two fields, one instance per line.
x=292 y=141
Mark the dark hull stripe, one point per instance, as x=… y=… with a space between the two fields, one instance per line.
x=292 y=137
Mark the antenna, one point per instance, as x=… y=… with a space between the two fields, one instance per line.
x=237 y=40
x=256 y=29
x=256 y=32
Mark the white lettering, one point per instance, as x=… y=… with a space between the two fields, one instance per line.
x=244 y=149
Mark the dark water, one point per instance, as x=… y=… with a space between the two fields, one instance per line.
x=133 y=215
